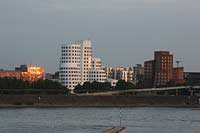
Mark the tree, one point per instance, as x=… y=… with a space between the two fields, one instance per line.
x=14 y=85
x=46 y=84
x=92 y=87
x=123 y=85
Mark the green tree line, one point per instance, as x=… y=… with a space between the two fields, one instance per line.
x=123 y=85
x=18 y=84
x=100 y=87
x=92 y=87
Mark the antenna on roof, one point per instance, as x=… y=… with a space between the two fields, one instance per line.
x=178 y=62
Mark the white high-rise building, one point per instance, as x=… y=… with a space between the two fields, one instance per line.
x=76 y=64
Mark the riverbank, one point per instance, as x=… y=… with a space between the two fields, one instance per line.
x=22 y=101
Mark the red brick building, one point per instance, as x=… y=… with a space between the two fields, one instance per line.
x=178 y=75
x=163 y=67
x=160 y=71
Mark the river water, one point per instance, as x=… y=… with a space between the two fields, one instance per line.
x=96 y=120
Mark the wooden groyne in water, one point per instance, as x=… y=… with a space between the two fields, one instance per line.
x=114 y=130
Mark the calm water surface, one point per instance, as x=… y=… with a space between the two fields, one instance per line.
x=96 y=120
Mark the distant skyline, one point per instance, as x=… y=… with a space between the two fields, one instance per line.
x=123 y=32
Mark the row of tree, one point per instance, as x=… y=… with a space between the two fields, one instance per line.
x=99 y=87
x=123 y=85
x=8 y=84
x=12 y=85
x=92 y=87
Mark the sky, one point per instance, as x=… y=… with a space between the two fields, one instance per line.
x=123 y=32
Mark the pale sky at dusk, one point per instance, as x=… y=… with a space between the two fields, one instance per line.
x=123 y=32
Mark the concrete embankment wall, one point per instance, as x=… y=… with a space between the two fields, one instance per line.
x=97 y=101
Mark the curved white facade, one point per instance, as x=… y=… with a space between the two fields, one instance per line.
x=96 y=73
x=77 y=65
x=86 y=60
x=70 y=67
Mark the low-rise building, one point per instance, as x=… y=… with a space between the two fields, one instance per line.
x=192 y=78
x=25 y=72
x=52 y=77
x=109 y=72
x=120 y=73
x=138 y=74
